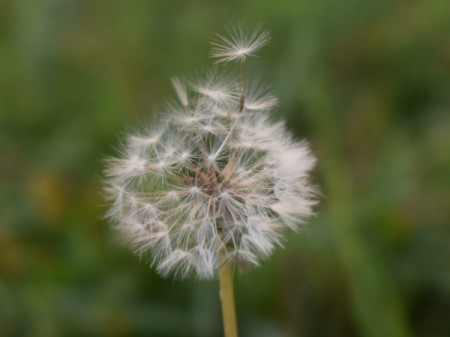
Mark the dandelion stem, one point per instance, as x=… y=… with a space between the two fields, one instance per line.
x=227 y=300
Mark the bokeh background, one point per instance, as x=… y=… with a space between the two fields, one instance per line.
x=366 y=82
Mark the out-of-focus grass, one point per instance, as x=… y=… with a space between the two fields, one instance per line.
x=368 y=83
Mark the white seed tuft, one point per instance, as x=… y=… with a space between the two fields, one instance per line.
x=239 y=44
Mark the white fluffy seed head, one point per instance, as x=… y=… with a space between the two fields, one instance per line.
x=212 y=180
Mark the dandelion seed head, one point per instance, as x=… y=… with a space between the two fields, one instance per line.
x=211 y=182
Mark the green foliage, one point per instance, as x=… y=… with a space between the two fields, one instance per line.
x=367 y=82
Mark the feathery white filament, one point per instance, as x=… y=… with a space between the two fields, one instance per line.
x=239 y=44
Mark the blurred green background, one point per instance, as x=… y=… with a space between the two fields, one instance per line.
x=366 y=82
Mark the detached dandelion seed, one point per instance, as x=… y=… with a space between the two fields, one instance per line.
x=212 y=187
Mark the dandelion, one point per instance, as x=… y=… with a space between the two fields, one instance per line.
x=239 y=44
x=216 y=182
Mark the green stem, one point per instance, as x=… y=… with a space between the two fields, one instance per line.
x=227 y=300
